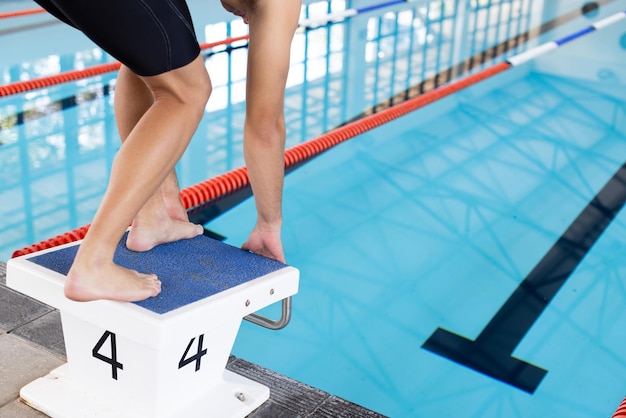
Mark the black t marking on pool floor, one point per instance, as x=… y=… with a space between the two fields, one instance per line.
x=491 y=352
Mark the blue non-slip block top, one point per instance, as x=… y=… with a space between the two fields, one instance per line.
x=189 y=270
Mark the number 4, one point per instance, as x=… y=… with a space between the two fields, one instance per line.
x=110 y=360
x=197 y=357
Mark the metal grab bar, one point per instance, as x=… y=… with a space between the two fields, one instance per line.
x=270 y=323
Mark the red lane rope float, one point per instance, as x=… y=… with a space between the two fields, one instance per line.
x=24 y=86
x=219 y=187
x=71 y=236
x=309 y=149
x=621 y=410
x=21 y=13
x=38 y=83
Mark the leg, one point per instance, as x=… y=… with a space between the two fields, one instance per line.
x=163 y=218
x=146 y=158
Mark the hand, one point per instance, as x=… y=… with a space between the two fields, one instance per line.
x=266 y=243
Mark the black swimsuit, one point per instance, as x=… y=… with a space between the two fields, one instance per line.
x=148 y=36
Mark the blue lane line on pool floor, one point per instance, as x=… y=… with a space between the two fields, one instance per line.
x=491 y=352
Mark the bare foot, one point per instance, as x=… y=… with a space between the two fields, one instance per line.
x=110 y=282
x=143 y=237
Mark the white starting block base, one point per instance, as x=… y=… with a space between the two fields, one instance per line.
x=160 y=358
x=56 y=395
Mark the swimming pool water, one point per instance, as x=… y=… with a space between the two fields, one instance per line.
x=432 y=222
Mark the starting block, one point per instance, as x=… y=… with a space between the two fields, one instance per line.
x=163 y=357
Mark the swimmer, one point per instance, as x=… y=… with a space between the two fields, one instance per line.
x=160 y=96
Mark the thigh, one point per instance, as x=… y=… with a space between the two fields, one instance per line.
x=148 y=36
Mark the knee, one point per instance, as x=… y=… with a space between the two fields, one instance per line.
x=197 y=92
x=203 y=89
x=189 y=86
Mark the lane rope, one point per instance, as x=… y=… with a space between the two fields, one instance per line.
x=29 y=85
x=317 y=21
x=306 y=23
x=621 y=410
x=38 y=83
x=549 y=46
x=17 y=13
x=24 y=86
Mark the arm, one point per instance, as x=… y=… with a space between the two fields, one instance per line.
x=272 y=26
